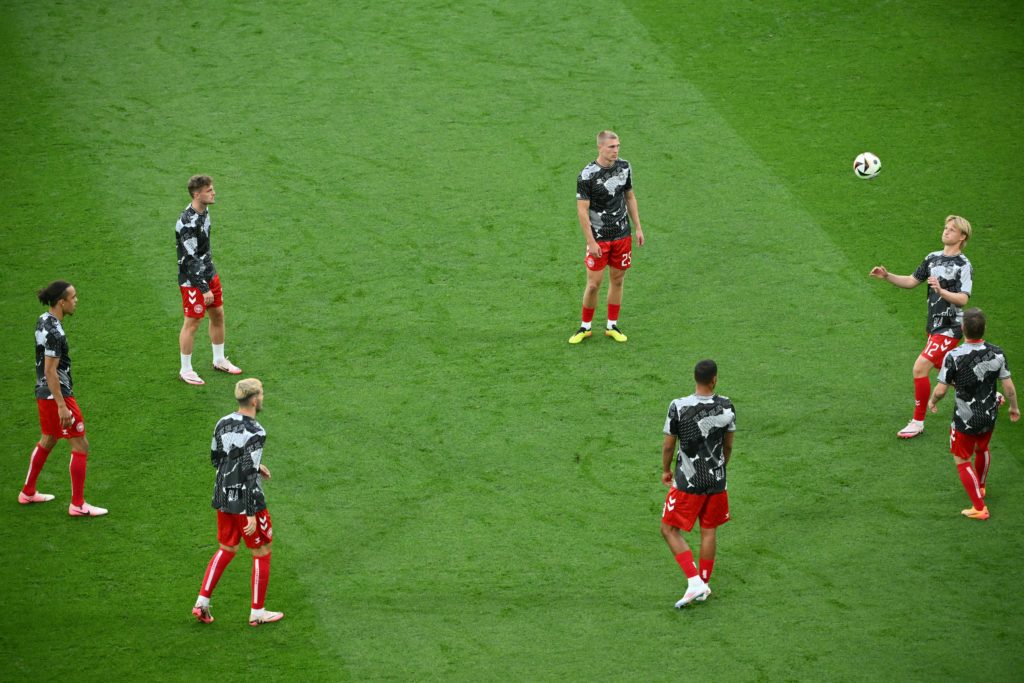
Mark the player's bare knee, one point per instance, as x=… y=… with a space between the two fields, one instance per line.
x=261 y=551
x=229 y=548
x=47 y=441
x=668 y=531
x=79 y=444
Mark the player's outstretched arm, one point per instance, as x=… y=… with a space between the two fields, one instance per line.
x=902 y=281
x=1010 y=392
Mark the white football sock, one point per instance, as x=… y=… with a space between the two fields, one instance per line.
x=218 y=353
x=585 y=326
x=612 y=323
x=186 y=362
x=202 y=602
x=694 y=583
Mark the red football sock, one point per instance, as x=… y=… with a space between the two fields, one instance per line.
x=705 y=569
x=613 y=311
x=588 y=314
x=685 y=561
x=922 y=390
x=260 y=577
x=77 y=469
x=35 y=466
x=218 y=563
x=970 y=481
x=981 y=462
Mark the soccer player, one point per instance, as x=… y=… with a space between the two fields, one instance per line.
x=950 y=277
x=59 y=415
x=237 y=452
x=972 y=369
x=699 y=432
x=606 y=207
x=199 y=281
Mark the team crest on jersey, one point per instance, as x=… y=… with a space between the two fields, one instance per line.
x=198 y=308
x=80 y=427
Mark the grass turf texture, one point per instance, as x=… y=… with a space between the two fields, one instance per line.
x=458 y=492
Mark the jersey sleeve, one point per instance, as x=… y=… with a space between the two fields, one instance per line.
x=966 y=278
x=672 y=420
x=629 y=179
x=188 y=235
x=582 y=188
x=732 y=422
x=948 y=370
x=923 y=271
x=1004 y=369
x=51 y=342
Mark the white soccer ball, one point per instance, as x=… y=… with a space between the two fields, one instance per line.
x=866 y=165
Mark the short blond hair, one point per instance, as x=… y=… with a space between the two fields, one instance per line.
x=247 y=388
x=961 y=224
x=606 y=135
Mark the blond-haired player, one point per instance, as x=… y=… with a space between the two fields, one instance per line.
x=950 y=277
x=607 y=210
x=237 y=454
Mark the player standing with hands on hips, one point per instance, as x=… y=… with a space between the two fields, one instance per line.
x=59 y=416
x=973 y=369
x=950 y=278
x=237 y=454
x=605 y=206
x=699 y=432
x=198 y=280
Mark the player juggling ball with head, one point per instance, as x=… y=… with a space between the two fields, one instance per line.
x=949 y=276
x=237 y=454
x=59 y=415
x=973 y=369
x=699 y=433
x=198 y=280
x=607 y=210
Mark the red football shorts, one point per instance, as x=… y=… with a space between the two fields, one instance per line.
x=229 y=529
x=681 y=509
x=617 y=254
x=192 y=299
x=966 y=445
x=49 y=419
x=937 y=347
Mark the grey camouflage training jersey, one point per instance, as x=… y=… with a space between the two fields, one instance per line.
x=973 y=369
x=699 y=424
x=955 y=275
x=606 y=189
x=195 y=260
x=51 y=341
x=236 y=452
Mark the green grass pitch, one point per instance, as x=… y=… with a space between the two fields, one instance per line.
x=458 y=493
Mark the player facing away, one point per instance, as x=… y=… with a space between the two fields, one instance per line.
x=237 y=454
x=59 y=415
x=950 y=278
x=972 y=369
x=699 y=432
x=606 y=207
x=198 y=280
